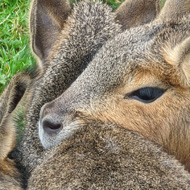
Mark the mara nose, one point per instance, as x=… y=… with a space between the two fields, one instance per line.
x=51 y=127
x=49 y=119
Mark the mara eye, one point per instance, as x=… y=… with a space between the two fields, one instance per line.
x=146 y=95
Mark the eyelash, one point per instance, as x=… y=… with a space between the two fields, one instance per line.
x=146 y=95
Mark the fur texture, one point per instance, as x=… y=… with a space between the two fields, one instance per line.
x=105 y=156
x=155 y=56
x=10 y=179
x=90 y=68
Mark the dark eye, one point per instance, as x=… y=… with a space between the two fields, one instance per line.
x=146 y=95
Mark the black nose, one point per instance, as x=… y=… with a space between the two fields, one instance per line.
x=51 y=127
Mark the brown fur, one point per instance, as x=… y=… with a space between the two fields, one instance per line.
x=139 y=12
x=174 y=9
x=152 y=55
x=49 y=16
x=74 y=48
x=10 y=178
x=93 y=52
x=103 y=156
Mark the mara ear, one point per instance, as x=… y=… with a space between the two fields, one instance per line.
x=12 y=95
x=179 y=57
x=174 y=9
x=132 y=13
x=47 y=18
x=8 y=102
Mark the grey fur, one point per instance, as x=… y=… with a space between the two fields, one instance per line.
x=94 y=45
x=71 y=57
x=105 y=156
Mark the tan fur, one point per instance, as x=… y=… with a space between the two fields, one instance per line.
x=169 y=131
x=179 y=56
x=163 y=128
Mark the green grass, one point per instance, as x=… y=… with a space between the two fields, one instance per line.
x=15 y=52
x=162 y=3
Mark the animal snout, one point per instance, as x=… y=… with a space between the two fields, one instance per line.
x=49 y=120
x=51 y=127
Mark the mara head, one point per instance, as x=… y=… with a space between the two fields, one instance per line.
x=66 y=44
x=139 y=80
x=66 y=38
